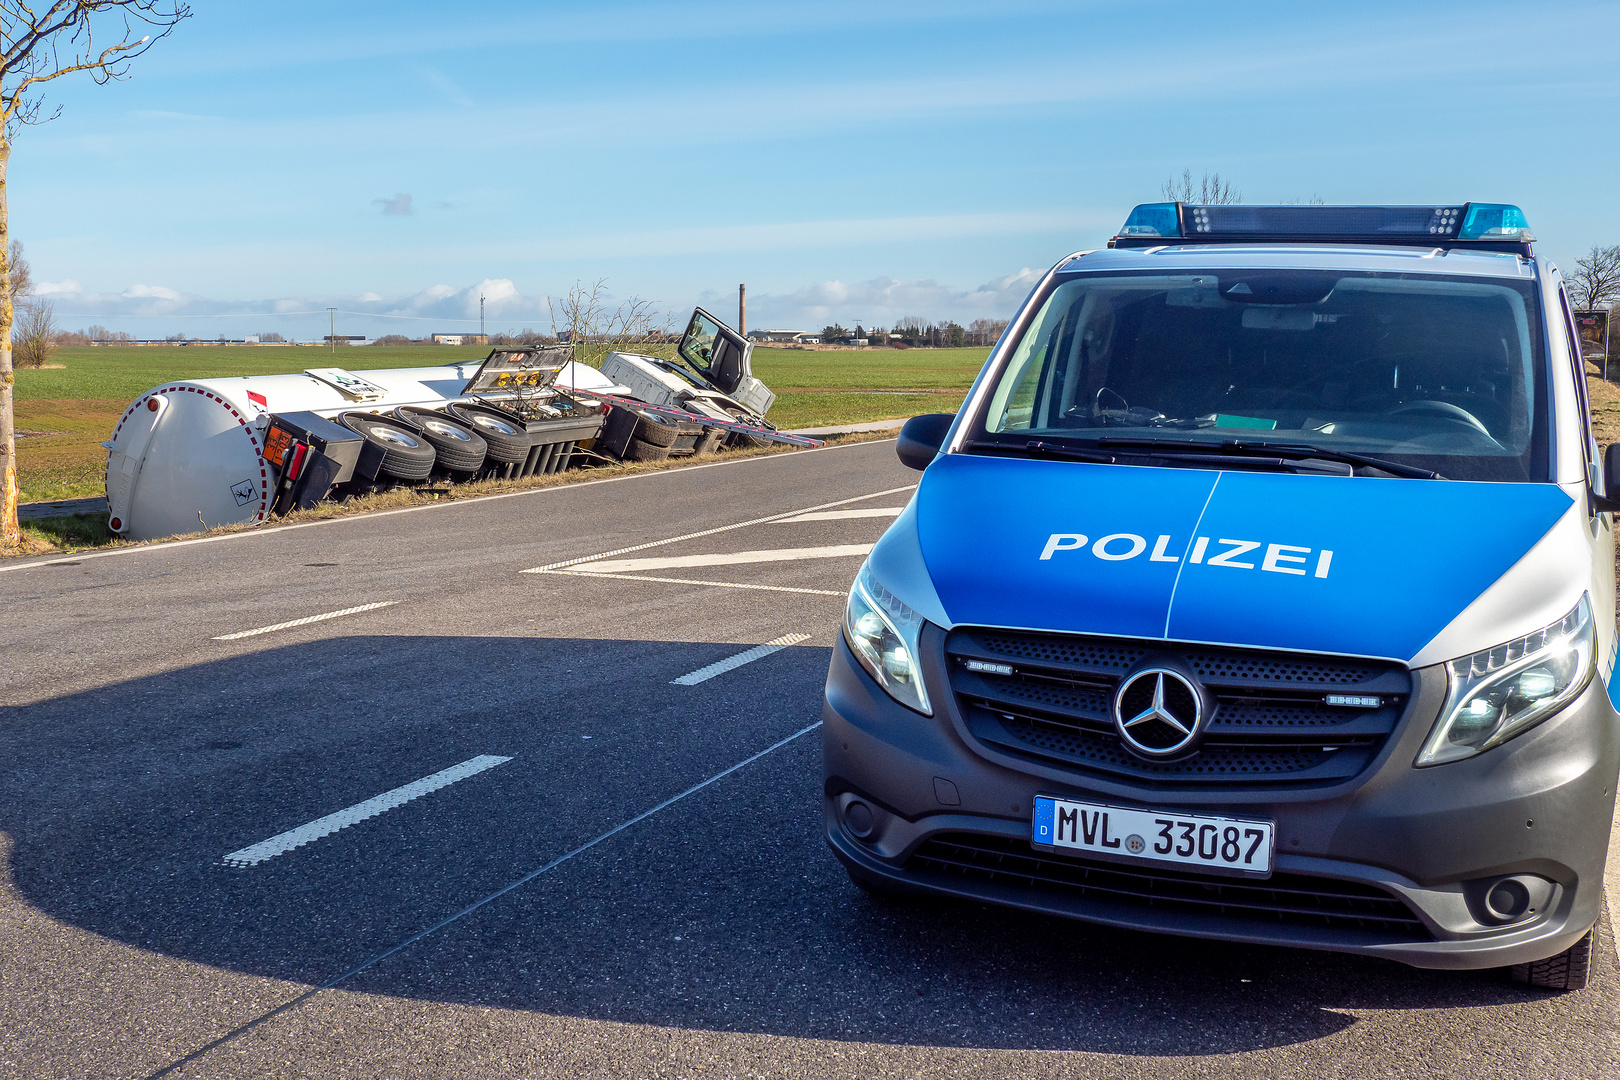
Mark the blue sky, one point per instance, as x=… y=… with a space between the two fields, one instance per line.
x=847 y=159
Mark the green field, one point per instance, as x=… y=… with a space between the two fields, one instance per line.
x=64 y=413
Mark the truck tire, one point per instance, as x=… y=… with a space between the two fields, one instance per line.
x=713 y=439
x=1568 y=970
x=656 y=430
x=507 y=440
x=459 y=447
x=406 y=456
x=741 y=440
x=645 y=451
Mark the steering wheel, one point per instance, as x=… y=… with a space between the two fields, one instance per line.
x=1444 y=409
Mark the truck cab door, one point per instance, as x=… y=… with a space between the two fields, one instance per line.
x=720 y=355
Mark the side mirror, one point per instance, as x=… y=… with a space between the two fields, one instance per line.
x=1609 y=501
x=922 y=436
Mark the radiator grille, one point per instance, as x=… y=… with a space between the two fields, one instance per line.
x=1271 y=722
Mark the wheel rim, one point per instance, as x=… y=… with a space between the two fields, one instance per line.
x=395 y=436
x=449 y=431
x=492 y=424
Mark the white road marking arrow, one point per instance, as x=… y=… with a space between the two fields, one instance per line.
x=841 y=515
x=729 y=558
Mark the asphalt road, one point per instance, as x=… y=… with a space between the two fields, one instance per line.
x=610 y=873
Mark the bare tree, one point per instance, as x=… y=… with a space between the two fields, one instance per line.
x=100 y=335
x=985 y=331
x=34 y=333
x=1210 y=190
x=19 y=282
x=1596 y=280
x=584 y=318
x=40 y=42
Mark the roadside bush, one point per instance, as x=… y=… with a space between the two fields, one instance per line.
x=33 y=336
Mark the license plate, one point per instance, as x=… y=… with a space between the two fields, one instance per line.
x=1219 y=844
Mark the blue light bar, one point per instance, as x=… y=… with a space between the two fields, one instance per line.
x=1153 y=219
x=1495 y=221
x=1475 y=222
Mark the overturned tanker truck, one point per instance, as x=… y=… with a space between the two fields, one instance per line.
x=200 y=453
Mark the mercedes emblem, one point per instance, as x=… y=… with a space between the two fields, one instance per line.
x=1158 y=712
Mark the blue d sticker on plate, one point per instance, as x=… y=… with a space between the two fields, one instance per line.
x=1043 y=821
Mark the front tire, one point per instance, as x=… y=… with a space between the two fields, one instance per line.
x=1569 y=970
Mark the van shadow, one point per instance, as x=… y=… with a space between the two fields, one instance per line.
x=724 y=911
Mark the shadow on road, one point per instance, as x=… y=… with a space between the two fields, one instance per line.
x=724 y=911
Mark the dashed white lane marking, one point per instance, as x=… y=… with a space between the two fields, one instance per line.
x=282 y=843
x=731 y=663
x=693 y=581
x=305 y=621
x=841 y=515
x=726 y=558
x=710 y=532
x=451 y=919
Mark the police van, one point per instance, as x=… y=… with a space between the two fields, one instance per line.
x=1262 y=590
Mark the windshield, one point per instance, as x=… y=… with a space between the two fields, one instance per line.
x=1440 y=373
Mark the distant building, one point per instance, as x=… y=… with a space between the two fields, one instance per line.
x=461 y=339
x=775 y=335
x=346 y=339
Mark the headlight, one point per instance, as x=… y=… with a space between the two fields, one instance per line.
x=882 y=633
x=1501 y=692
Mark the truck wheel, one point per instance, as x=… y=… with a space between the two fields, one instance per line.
x=656 y=430
x=643 y=451
x=743 y=441
x=459 y=447
x=507 y=440
x=1566 y=971
x=405 y=455
x=713 y=439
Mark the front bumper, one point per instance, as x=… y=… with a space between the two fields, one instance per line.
x=1540 y=805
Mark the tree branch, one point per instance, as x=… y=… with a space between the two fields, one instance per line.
x=33 y=56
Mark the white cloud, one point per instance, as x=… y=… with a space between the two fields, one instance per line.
x=150 y=292
x=399 y=204
x=57 y=288
x=881 y=301
x=501 y=300
x=155 y=311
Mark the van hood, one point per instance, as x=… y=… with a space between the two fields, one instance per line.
x=1352 y=565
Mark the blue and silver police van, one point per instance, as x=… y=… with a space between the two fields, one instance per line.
x=1261 y=590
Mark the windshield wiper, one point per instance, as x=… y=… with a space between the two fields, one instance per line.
x=1288 y=451
x=1038 y=448
x=1199 y=454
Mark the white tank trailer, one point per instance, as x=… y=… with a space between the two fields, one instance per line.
x=192 y=453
